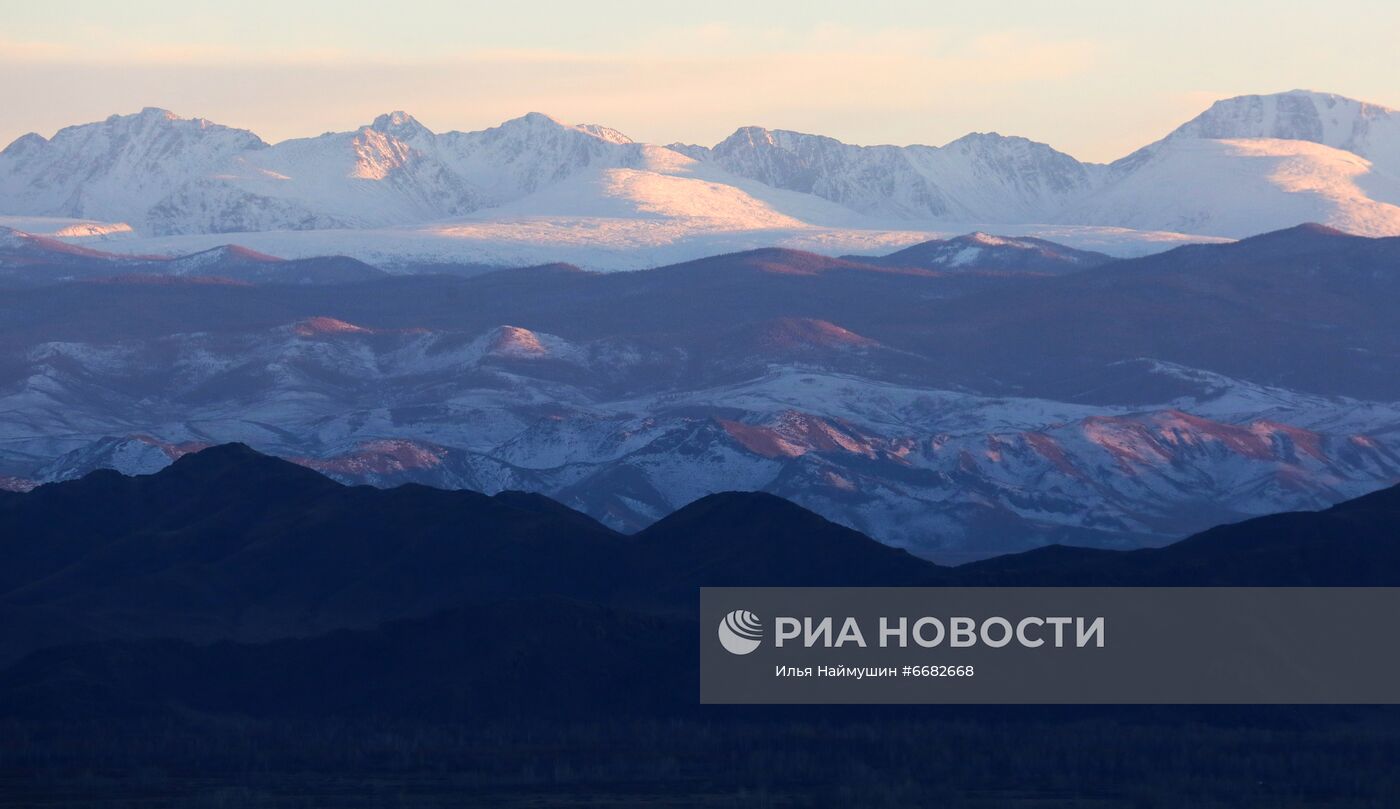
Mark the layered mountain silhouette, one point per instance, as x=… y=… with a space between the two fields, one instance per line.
x=1306 y=308
x=959 y=411
x=232 y=582
x=29 y=260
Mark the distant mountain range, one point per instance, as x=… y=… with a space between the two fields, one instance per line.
x=27 y=259
x=985 y=252
x=233 y=583
x=963 y=398
x=536 y=188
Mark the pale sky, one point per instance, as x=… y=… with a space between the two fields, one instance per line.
x=1095 y=79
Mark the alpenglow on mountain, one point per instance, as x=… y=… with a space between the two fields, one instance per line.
x=960 y=399
x=1246 y=165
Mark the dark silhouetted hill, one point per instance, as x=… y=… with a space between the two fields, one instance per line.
x=232 y=582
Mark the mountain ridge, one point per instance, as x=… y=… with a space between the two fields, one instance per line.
x=1293 y=157
x=206 y=550
x=1182 y=390
x=498 y=680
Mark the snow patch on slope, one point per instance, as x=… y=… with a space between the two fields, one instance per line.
x=1240 y=187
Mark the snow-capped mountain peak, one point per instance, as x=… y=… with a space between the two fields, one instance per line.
x=751 y=136
x=1368 y=130
x=151 y=114
x=541 y=125
x=24 y=145
x=120 y=169
x=604 y=133
x=401 y=125
x=151 y=120
x=1325 y=118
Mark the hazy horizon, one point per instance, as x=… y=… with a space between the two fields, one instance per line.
x=1092 y=79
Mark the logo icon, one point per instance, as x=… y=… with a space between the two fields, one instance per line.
x=740 y=632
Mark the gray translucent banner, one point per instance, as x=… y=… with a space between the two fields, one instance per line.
x=1050 y=645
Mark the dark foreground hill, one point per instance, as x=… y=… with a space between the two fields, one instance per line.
x=241 y=616
x=231 y=544
x=287 y=571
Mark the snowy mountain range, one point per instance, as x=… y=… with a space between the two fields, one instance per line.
x=977 y=178
x=535 y=188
